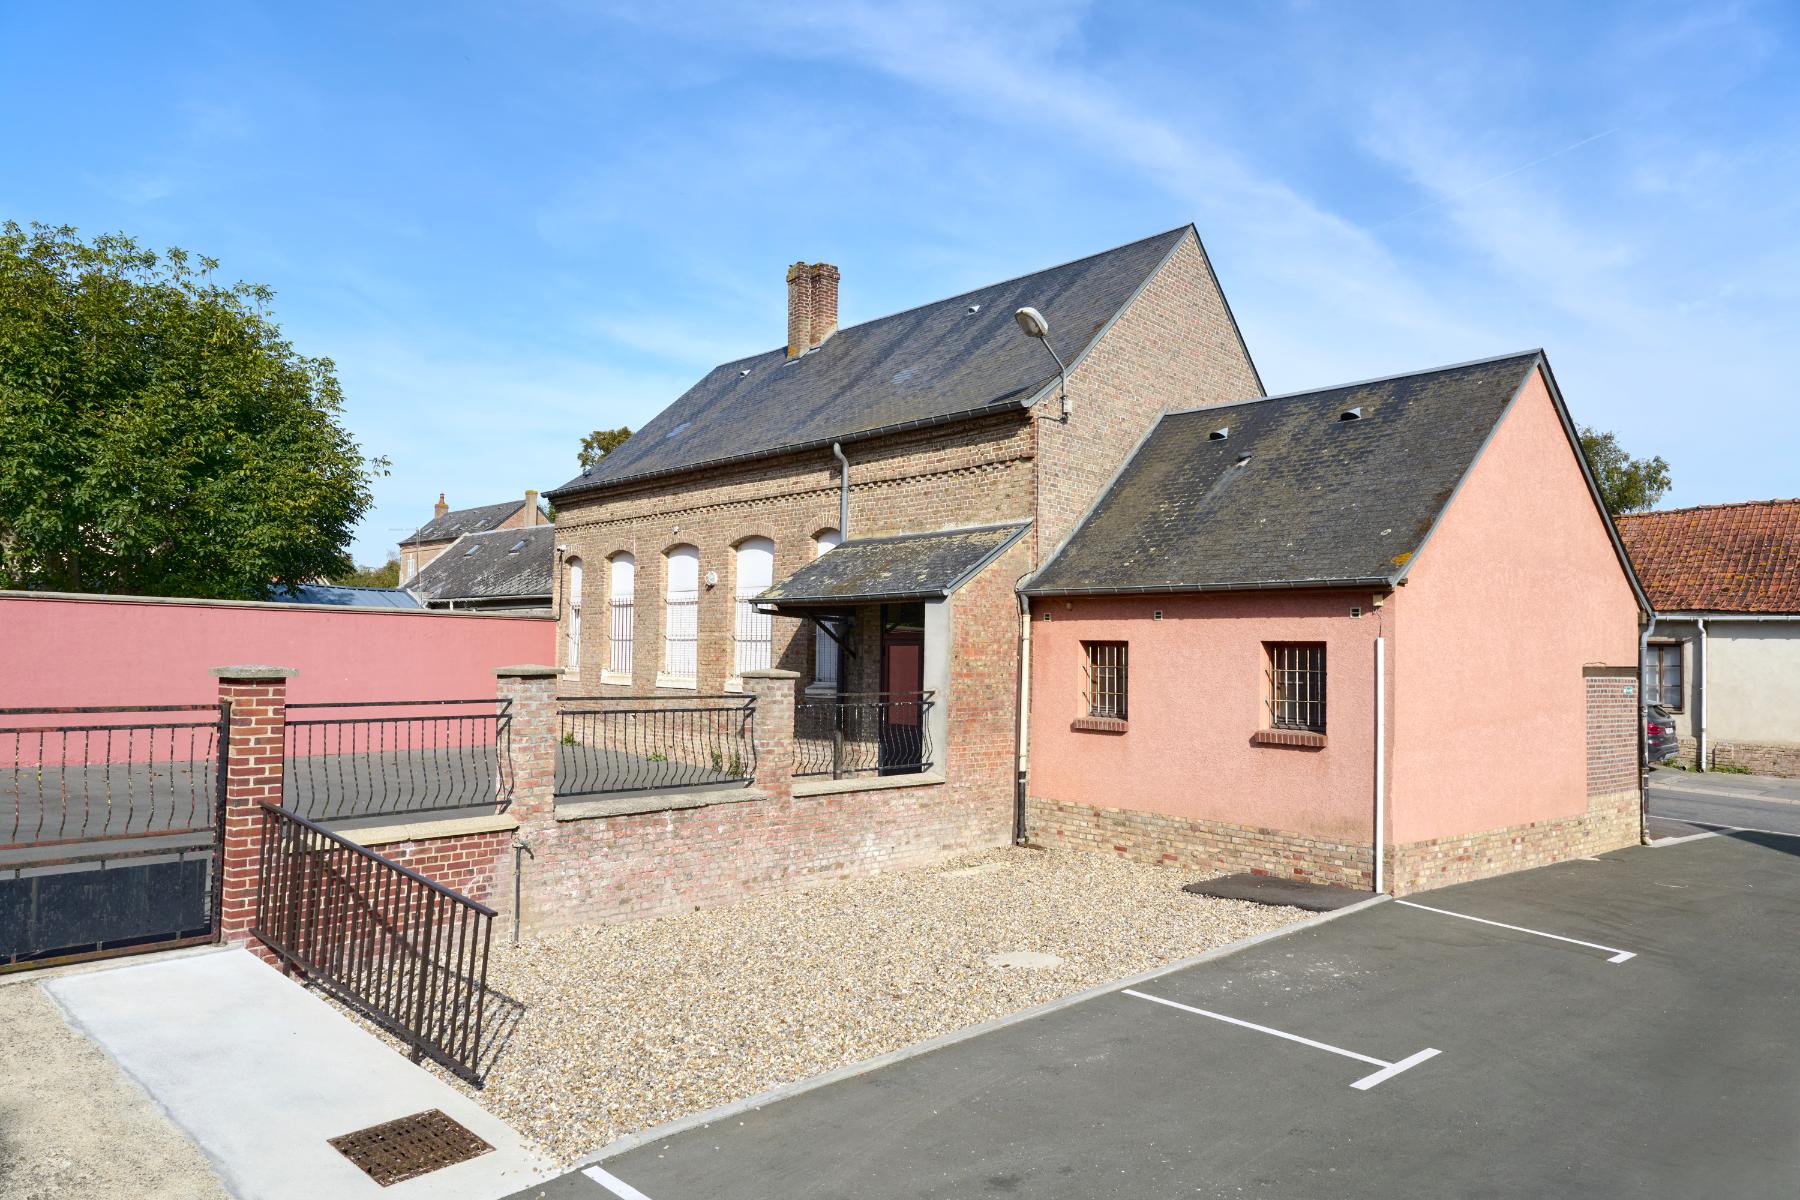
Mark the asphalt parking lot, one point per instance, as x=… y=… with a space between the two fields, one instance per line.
x=1562 y=1067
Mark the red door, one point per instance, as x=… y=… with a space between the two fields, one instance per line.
x=902 y=715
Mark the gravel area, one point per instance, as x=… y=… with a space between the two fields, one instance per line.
x=73 y=1125
x=623 y=1027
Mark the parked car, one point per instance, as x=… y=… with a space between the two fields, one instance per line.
x=1659 y=733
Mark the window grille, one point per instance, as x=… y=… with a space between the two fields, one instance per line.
x=624 y=618
x=1106 y=679
x=825 y=654
x=681 y=634
x=1297 y=686
x=755 y=632
x=1662 y=674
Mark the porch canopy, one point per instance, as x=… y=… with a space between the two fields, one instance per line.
x=906 y=567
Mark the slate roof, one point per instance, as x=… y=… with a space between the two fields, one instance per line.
x=485 y=566
x=1318 y=501
x=463 y=520
x=924 y=366
x=913 y=566
x=1742 y=558
x=350 y=597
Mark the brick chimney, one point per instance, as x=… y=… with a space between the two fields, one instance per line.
x=440 y=508
x=533 y=514
x=812 y=305
x=799 y=281
x=824 y=301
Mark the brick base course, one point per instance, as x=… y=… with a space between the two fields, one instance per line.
x=1756 y=758
x=1213 y=847
x=1611 y=823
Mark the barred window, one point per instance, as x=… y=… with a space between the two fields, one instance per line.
x=1106 y=679
x=1296 y=695
x=1662 y=675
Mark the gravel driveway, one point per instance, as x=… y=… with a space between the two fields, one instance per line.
x=627 y=1026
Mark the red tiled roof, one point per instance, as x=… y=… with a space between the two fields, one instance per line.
x=1718 y=557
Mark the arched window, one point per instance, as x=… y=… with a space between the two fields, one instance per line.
x=681 y=616
x=622 y=603
x=825 y=649
x=572 y=660
x=755 y=630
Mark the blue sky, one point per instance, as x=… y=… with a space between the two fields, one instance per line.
x=511 y=223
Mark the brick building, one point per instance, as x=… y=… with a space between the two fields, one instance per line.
x=931 y=457
x=428 y=541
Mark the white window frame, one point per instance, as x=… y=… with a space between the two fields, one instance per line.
x=827 y=655
x=681 y=619
x=621 y=612
x=572 y=650
x=753 y=632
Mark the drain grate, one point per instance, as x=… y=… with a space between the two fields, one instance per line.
x=412 y=1146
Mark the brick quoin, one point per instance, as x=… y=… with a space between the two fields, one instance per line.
x=257 y=733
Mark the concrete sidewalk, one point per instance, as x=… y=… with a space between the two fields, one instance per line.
x=260 y=1072
x=1727 y=784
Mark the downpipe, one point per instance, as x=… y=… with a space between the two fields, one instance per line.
x=519 y=848
x=837 y=452
x=1380 y=839
x=1022 y=723
x=1643 y=737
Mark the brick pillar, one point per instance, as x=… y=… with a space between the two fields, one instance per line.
x=257 y=738
x=528 y=770
x=773 y=691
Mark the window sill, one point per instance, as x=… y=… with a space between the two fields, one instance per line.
x=735 y=685
x=871 y=783
x=822 y=689
x=685 y=683
x=1303 y=738
x=1100 y=724
x=615 y=677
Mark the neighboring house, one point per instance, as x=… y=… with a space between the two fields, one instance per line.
x=501 y=570
x=929 y=449
x=1724 y=654
x=1287 y=616
x=431 y=539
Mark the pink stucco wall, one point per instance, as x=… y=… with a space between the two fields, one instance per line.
x=1515 y=591
x=1196 y=697
x=65 y=651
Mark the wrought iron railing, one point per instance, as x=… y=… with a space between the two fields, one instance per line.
x=610 y=744
x=377 y=758
x=71 y=775
x=410 y=954
x=863 y=733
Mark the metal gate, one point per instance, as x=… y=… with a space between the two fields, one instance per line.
x=110 y=828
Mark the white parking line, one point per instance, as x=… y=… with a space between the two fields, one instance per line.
x=1388 y=1069
x=1618 y=955
x=614 y=1184
x=1728 y=829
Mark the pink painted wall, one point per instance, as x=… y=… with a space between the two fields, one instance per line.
x=1517 y=589
x=1196 y=697
x=67 y=651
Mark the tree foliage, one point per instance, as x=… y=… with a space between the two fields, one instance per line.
x=158 y=435
x=385 y=576
x=598 y=444
x=1627 y=484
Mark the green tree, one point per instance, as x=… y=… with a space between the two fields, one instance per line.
x=598 y=444
x=1627 y=484
x=385 y=576
x=158 y=435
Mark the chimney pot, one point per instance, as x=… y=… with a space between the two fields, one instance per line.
x=799 y=296
x=440 y=508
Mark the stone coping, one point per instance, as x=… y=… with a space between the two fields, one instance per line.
x=625 y=806
x=527 y=671
x=428 y=830
x=255 y=672
x=875 y=783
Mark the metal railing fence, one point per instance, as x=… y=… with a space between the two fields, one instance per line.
x=611 y=744
x=410 y=954
x=107 y=773
x=862 y=733
x=383 y=757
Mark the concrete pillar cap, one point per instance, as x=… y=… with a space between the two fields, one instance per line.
x=528 y=671
x=255 y=672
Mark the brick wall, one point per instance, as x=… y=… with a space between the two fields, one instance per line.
x=1205 y=848
x=1755 y=757
x=478 y=865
